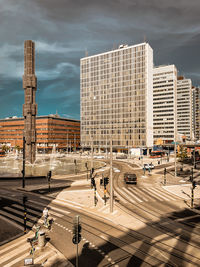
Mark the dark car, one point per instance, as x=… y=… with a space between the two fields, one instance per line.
x=130 y=178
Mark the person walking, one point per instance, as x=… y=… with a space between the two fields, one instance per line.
x=46 y=215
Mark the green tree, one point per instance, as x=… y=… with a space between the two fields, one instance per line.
x=182 y=155
x=5 y=148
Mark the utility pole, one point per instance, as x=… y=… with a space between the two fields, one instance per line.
x=24 y=160
x=25 y=213
x=165 y=172
x=175 y=165
x=194 y=158
x=111 y=178
x=92 y=152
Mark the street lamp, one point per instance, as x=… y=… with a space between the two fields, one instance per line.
x=24 y=160
x=111 y=177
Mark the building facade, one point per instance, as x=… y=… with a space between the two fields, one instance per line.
x=196 y=108
x=184 y=107
x=116 y=98
x=50 y=131
x=164 y=104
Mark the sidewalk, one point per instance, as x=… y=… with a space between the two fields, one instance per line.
x=15 y=252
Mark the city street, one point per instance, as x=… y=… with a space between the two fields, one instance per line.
x=152 y=224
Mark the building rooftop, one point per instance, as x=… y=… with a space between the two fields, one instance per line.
x=54 y=116
x=121 y=47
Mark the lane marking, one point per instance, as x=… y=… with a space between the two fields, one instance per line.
x=131 y=194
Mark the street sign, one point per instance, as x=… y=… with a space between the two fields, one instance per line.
x=28 y=261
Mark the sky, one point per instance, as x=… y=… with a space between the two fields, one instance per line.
x=63 y=30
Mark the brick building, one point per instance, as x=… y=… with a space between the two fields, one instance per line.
x=51 y=130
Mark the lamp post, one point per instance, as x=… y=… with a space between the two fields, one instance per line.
x=24 y=160
x=111 y=178
x=175 y=163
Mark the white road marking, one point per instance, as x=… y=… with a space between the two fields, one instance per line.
x=136 y=192
x=131 y=194
x=158 y=194
x=123 y=193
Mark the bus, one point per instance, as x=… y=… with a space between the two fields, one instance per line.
x=157 y=154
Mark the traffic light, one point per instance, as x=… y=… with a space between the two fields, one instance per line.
x=76 y=231
x=93 y=181
x=49 y=176
x=194 y=184
x=106 y=180
x=101 y=181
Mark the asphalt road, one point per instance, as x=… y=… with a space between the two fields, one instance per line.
x=170 y=234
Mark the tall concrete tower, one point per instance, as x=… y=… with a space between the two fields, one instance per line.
x=30 y=107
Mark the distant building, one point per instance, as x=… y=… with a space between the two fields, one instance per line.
x=116 y=98
x=51 y=130
x=164 y=104
x=184 y=107
x=196 y=112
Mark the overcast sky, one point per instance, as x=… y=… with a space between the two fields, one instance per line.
x=64 y=29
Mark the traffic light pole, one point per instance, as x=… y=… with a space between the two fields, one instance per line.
x=165 y=172
x=192 y=190
x=92 y=154
x=77 y=236
x=24 y=160
x=111 y=178
x=192 y=197
x=175 y=165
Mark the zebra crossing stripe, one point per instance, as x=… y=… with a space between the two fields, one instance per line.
x=28 y=209
x=123 y=193
x=135 y=191
x=119 y=197
x=165 y=194
x=2 y=251
x=15 y=218
x=158 y=194
x=17 y=212
x=14 y=252
x=52 y=212
x=152 y=197
x=135 y=197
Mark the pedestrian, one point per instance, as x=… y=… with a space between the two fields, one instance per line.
x=46 y=215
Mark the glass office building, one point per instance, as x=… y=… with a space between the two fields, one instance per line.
x=116 y=98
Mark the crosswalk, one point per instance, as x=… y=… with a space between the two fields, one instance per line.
x=14 y=252
x=142 y=194
x=15 y=212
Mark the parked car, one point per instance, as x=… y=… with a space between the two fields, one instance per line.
x=148 y=166
x=130 y=178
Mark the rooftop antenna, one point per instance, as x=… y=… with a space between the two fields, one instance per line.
x=86 y=53
x=145 y=38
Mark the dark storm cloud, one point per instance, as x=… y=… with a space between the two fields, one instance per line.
x=64 y=29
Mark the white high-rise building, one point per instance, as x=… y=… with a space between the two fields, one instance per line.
x=116 y=98
x=184 y=107
x=196 y=112
x=164 y=104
